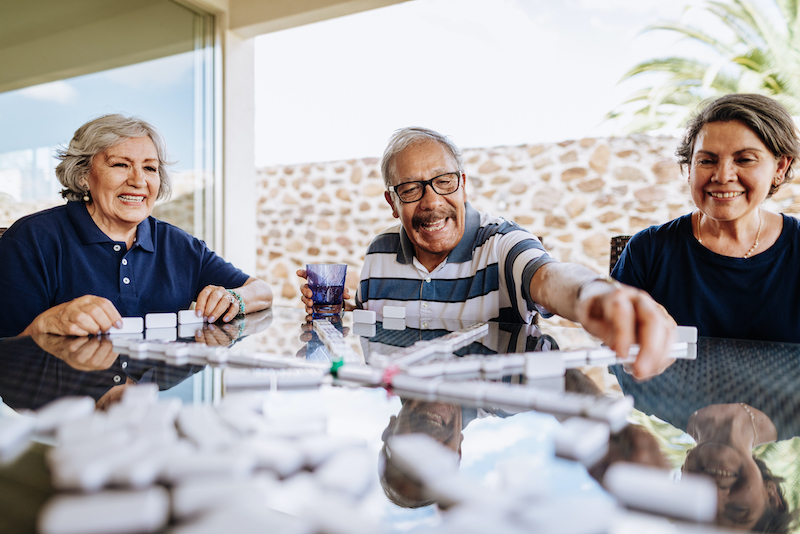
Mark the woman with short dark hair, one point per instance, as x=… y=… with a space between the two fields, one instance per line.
x=723 y=267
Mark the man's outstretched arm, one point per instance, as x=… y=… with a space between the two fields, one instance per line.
x=619 y=315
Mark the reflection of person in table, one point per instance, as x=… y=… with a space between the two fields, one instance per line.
x=441 y=421
x=722 y=267
x=78 y=269
x=448 y=260
x=35 y=370
x=749 y=496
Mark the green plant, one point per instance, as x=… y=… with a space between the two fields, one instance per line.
x=755 y=48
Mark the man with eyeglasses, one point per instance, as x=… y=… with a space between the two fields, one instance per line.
x=447 y=260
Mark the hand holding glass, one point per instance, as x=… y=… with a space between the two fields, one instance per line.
x=326 y=281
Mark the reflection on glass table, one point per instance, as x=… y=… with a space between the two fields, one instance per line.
x=288 y=452
x=732 y=415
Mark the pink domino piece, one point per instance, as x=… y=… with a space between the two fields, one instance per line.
x=161 y=320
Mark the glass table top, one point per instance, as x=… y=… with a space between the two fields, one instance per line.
x=508 y=432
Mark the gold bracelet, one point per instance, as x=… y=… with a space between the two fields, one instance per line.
x=606 y=279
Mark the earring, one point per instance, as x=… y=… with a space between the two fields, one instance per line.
x=87 y=196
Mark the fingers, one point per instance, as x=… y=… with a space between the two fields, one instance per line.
x=626 y=316
x=83 y=316
x=656 y=334
x=214 y=336
x=214 y=302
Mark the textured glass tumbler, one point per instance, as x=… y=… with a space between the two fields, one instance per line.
x=326 y=281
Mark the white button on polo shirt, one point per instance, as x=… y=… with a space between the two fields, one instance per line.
x=117 y=248
x=126 y=280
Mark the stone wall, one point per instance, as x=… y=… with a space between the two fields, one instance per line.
x=575 y=195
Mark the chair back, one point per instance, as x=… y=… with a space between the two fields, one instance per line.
x=618 y=243
x=2 y=231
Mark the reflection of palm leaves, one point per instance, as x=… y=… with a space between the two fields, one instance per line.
x=761 y=57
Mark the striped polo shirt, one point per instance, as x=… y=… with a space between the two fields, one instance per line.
x=486 y=277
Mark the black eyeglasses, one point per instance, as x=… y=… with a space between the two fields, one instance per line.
x=444 y=184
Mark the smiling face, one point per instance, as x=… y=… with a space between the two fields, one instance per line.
x=124 y=184
x=435 y=223
x=742 y=494
x=731 y=171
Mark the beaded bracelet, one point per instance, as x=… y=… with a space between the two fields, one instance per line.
x=239 y=299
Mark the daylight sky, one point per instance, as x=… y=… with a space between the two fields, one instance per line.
x=485 y=72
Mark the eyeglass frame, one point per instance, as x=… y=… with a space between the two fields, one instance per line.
x=424 y=183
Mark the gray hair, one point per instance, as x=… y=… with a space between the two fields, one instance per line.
x=405 y=137
x=99 y=135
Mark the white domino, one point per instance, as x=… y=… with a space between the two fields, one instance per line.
x=280 y=456
x=363 y=374
x=161 y=320
x=108 y=511
x=544 y=365
x=189 y=330
x=364 y=329
x=583 y=440
x=652 y=489
x=14 y=434
x=56 y=412
x=130 y=325
x=203 y=426
x=469 y=390
x=350 y=471
x=364 y=316
x=200 y=496
x=189 y=317
x=394 y=323
x=687 y=334
x=394 y=312
x=209 y=464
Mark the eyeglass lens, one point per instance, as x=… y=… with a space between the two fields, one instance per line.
x=443 y=185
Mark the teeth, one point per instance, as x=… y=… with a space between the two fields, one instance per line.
x=434 y=418
x=727 y=195
x=432 y=227
x=713 y=471
x=131 y=198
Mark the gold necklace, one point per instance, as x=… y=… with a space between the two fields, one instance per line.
x=758 y=232
x=752 y=422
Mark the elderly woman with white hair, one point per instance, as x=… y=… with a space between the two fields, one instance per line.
x=77 y=269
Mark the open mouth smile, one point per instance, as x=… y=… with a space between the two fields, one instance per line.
x=131 y=198
x=434 y=226
x=725 y=195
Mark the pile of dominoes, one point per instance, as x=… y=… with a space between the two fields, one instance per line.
x=150 y=465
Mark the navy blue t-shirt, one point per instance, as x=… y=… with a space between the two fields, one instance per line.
x=756 y=298
x=59 y=254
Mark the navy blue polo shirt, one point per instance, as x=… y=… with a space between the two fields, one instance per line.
x=59 y=254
